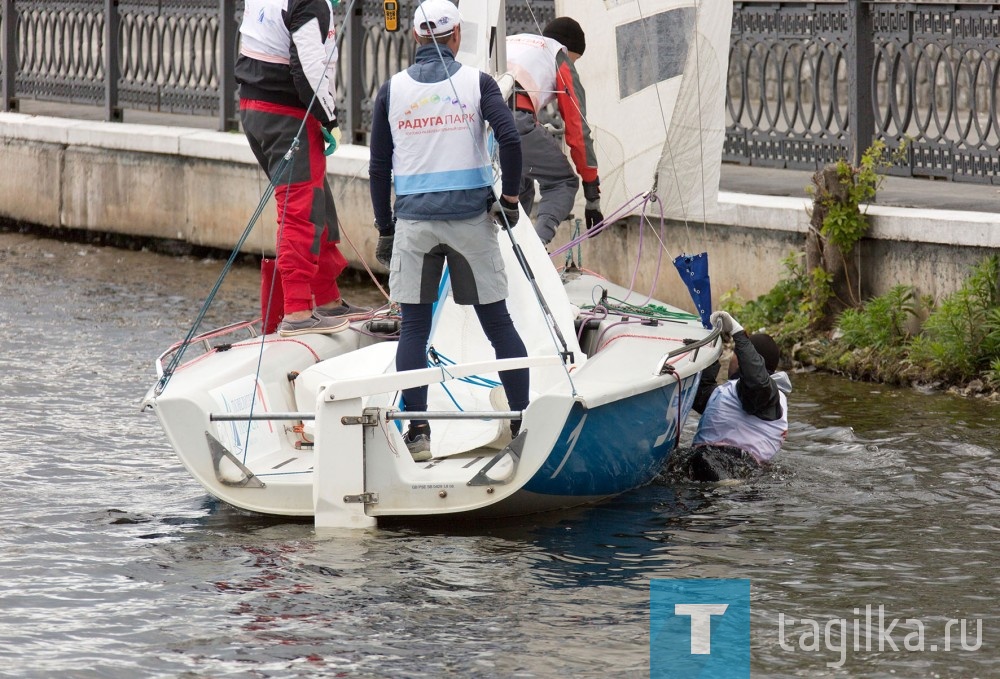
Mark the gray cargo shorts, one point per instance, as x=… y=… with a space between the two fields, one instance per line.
x=470 y=248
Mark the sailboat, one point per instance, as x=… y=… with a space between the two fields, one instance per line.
x=309 y=426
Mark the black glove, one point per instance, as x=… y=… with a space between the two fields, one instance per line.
x=506 y=213
x=592 y=191
x=592 y=217
x=383 y=250
x=592 y=210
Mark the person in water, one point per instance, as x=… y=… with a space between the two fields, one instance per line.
x=744 y=421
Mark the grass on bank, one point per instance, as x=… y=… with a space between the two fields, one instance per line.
x=897 y=338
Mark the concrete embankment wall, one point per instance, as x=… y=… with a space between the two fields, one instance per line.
x=202 y=187
x=153 y=181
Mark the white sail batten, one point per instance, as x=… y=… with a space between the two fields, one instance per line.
x=482 y=23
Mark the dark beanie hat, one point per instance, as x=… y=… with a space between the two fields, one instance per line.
x=768 y=350
x=568 y=32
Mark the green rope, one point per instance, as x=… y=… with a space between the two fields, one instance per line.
x=654 y=311
x=569 y=263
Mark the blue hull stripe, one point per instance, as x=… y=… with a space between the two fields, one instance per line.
x=615 y=447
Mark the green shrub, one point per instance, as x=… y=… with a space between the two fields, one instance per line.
x=844 y=221
x=881 y=323
x=993 y=374
x=993 y=330
x=789 y=311
x=961 y=337
x=777 y=308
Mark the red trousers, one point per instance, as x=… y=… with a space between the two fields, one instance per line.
x=309 y=260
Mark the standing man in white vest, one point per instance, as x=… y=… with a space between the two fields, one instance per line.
x=429 y=142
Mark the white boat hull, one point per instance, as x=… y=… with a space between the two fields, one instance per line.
x=612 y=435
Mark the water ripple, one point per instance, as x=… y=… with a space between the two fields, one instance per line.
x=113 y=564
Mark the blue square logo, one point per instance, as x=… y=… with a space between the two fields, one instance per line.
x=699 y=628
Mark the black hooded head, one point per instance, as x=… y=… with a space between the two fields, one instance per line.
x=568 y=32
x=768 y=350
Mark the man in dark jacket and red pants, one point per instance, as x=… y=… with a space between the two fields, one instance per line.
x=286 y=71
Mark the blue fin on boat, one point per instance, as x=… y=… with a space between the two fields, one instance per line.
x=694 y=272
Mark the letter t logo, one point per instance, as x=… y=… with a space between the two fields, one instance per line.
x=701 y=624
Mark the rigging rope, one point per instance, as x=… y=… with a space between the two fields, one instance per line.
x=179 y=354
x=279 y=174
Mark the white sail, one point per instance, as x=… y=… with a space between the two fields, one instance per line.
x=481 y=26
x=656 y=97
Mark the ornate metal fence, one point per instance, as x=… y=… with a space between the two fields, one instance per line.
x=813 y=82
x=165 y=56
x=178 y=56
x=809 y=82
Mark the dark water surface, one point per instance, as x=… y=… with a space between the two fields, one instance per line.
x=114 y=563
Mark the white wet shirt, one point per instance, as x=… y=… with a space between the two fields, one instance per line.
x=725 y=423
